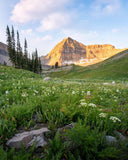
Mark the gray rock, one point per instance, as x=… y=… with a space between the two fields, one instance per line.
x=120 y=136
x=40 y=142
x=28 y=138
x=67 y=127
x=47 y=79
x=111 y=139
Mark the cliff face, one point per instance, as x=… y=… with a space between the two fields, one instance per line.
x=4 y=57
x=69 y=51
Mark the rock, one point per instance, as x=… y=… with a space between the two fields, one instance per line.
x=111 y=139
x=28 y=138
x=120 y=136
x=47 y=79
x=69 y=51
x=67 y=127
x=40 y=142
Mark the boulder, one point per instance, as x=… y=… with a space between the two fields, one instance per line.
x=28 y=138
x=47 y=79
x=111 y=139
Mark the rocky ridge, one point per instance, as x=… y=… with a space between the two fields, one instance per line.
x=69 y=51
x=4 y=57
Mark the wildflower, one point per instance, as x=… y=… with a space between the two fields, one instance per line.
x=73 y=92
x=114 y=119
x=24 y=95
x=88 y=93
x=83 y=104
x=101 y=98
x=6 y=92
x=82 y=100
x=92 y=105
x=117 y=90
x=35 y=91
x=102 y=115
x=105 y=83
x=113 y=82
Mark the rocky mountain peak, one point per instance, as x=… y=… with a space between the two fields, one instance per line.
x=69 y=51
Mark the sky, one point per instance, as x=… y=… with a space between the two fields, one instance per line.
x=44 y=23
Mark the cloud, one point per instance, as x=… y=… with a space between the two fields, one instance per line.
x=45 y=38
x=54 y=21
x=105 y=7
x=115 y=30
x=51 y=14
x=28 y=31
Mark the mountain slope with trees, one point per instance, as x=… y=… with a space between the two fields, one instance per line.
x=19 y=58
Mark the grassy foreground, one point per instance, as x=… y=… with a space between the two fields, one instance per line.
x=97 y=108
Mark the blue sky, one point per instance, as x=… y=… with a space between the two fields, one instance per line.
x=46 y=22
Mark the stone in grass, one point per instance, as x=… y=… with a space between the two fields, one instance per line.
x=47 y=79
x=111 y=139
x=120 y=136
x=28 y=138
x=67 y=127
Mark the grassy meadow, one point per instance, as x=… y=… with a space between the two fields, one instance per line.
x=97 y=107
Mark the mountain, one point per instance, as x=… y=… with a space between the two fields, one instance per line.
x=114 y=68
x=4 y=57
x=69 y=51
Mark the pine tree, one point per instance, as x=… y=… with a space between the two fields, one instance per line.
x=9 y=43
x=40 y=66
x=36 y=64
x=13 y=46
x=26 y=54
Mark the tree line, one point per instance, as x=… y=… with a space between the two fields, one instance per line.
x=20 y=57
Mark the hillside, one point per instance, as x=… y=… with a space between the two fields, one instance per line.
x=115 y=67
x=70 y=51
x=4 y=57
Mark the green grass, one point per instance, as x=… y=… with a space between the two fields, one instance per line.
x=57 y=103
x=115 y=67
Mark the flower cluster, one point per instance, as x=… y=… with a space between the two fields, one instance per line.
x=114 y=119
x=103 y=115
x=92 y=105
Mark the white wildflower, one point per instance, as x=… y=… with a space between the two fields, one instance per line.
x=35 y=91
x=82 y=100
x=24 y=95
x=88 y=93
x=73 y=92
x=117 y=90
x=102 y=115
x=105 y=83
x=83 y=104
x=113 y=82
x=114 y=119
x=6 y=92
x=92 y=105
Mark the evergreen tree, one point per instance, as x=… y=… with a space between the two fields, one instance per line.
x=40 y=66
x=25 y=54
x=36 y=64
x=56 y=65
x=16 y=55
x=18 y=51
x=13 y=46
x=9 y=43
